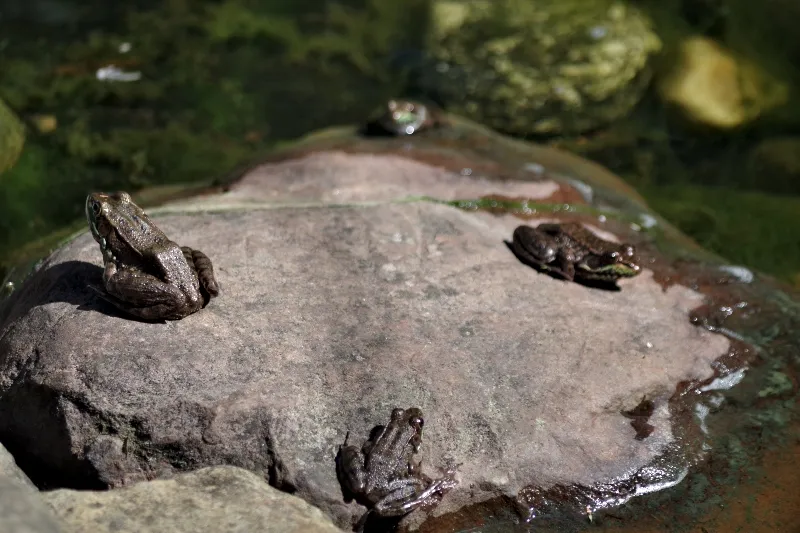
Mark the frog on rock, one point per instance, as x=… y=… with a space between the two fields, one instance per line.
x=572 y=252
x=382 y=475
x=146 y=274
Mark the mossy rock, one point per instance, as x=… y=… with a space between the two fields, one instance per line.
x=543 y=66
x=12 y=137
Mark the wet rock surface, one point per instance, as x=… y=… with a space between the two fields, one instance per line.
x=21 y=508
x=223 y=498
x=328 y=319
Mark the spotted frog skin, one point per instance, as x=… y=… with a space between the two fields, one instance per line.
x=572 y=252
x=404 y=117
x=146 y=274
x=381 y=474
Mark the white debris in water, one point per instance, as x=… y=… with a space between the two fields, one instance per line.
x=745 y=275
x=124 y=48
x=701 y=411
x=586 y=190
x=725 y=382
x=648 y=221
x=601 y=218
x=598 y=32
x=112 y=73
x=666 y=482
x=535 y=168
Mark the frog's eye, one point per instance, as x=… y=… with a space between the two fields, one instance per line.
x=417 y=422
x=397 y=414
x=96 y=208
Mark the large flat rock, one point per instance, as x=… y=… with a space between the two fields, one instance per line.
x=328 y=319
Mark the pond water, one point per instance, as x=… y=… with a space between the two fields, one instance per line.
x=166 y=96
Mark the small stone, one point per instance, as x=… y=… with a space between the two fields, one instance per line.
x=712 y=86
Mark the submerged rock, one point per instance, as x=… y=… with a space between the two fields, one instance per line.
x=12 y=137
x=544 y=66
x=223 y=499
x=712 y=86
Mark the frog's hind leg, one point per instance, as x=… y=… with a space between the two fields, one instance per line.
x=405 y=496
x=205 y=270
x=155 y=300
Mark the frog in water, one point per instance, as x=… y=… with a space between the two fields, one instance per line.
x=403 y=117
x=382 y=475
x=146 y=274
x=572 y=252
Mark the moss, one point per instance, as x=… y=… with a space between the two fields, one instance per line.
x=219 y=83
x=749 y=228
x=544 y=67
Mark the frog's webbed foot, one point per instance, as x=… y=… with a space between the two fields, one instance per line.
x=144 y=295
x=205 y=270
x=564 y=265
x=406 y=495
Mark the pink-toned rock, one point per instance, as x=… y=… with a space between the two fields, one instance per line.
x=328 y=319
x=340 y=178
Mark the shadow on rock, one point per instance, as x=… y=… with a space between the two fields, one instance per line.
x=74 y=282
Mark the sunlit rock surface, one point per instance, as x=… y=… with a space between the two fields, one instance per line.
x=217 y=499
x=329 y=317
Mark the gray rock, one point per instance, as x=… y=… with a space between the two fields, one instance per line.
x=21 y=509
x=222 y=499
x=328 y=319
x=11 y=472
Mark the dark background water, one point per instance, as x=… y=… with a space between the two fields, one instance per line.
x=222 y=82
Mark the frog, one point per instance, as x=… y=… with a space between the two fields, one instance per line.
x=400 y=117
x=382 y=475
x=145 y=273
x=574 y=253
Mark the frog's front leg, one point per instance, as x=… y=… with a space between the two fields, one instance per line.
x=565 y=265
x=350 y=466
x=532 y=246
x=204 y=269
x=144 y=295
x=406 y=494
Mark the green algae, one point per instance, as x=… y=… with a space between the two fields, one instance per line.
x=218 y=83
x=749 y=228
